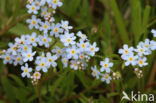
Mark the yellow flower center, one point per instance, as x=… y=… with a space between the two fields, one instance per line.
x=141 y=50
x=73 y=51
x=55 y=1
x=146 y=46
x=68 y=40
x=141 y=62
x=56 y=30
x=25 y=48
x=64 y=61
x=33 y=8
x=36 y=74
x=26 y=70
x=44 y=40
x=83 y=45
x=126 y=51
x=83 y=36
x=18 y=59
x=106 y=76
x=32 y=39
x=92 y=49
x=58 y=51
x=34 y=22
x=106 y=65
x=42 y=64
x=29 y=55
x=7 y=58
x=81 y=56
x=44 y=13
x=13 y=48
x=131 y=59
x=45 y=26
x=94 y=72
x=50 y=60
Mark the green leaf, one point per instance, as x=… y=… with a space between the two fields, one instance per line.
x=120 y=22
x=17 y=80
x=8 y=89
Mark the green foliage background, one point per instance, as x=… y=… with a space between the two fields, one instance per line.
x=110 y=23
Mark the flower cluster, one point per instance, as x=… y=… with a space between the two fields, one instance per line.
x=137 y=56
x=75 y=52
x=105 y=71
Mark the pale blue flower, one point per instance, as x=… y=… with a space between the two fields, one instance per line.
x=42 y=65
x=51 y=60
x=65 y=25
x=153 y=45
x=81 y=35
x=44 y=40
x=26 y=71
x=28 y=56
x=56 y=30
x=142 y=62
x=58 y=52
x=7 y=58
x=65 y=62
x=92 y=49
x=45 y=26
x=32 y=39
x=32 y=8
x=131 y=59
x=72 y=52
x=154 y=32
x=68 y=39
x=106 y=77
x=18 y=60
x=106 y=65
x=83 y=46
x=33 y=22
x=95 y=72
x=56 y=3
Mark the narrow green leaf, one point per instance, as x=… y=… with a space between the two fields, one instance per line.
x=120 y=22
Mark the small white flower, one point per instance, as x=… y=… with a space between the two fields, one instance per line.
x=32 y=8
x=56 y=3
x=7 y=58
x=33 y=22
x=25 y=48
x=65 y=25
x=153 y=45
x=74 y=65
x=83 y=46
x=154 y=32
x=126 y=51
x=141 y=50
x=131 y=59
x=37 y=75
x=42 y=64
x=72 y=52
x=65 y=62
x=58 y=51
x=26 y=71
x=95 y=72
x=44 y=11
x=13 y=48
x=44 y=40
x=93 y=49
x=32 y=39
x=56 y=30
x=82 y=36
x=68 y=39
x=21 y=40
x=18 y=60
x=106 y=65
x=28 y=56
x=106 y=77
x=45 y=26
x=142 y=62
x=51 y=60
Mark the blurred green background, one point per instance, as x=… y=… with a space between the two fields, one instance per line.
x=110 y=23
